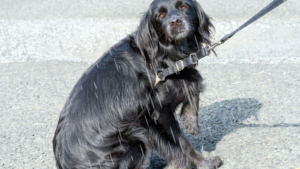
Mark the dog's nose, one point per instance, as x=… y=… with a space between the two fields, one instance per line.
x=176 y=21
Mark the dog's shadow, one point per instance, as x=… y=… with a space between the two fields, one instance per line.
x=222 y=118
x=216 y=121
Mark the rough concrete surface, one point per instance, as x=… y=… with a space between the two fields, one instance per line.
x=249 y=114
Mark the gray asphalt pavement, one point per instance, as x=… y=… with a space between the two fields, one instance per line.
x=78 y=9
x=250 y=112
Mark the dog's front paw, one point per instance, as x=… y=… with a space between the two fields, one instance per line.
x=213 y=162
x=210 y=163
x=191 y=124
x=194 y=130
x=170 y=166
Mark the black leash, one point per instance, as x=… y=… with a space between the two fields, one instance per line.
x=194 y=57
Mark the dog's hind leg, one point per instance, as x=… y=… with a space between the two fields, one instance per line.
x=137 y=157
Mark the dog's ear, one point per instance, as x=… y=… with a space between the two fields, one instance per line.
x=205 y=26
x=146 y=38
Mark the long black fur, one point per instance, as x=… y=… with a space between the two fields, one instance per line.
x=115 y=116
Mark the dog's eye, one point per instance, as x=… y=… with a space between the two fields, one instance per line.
x=183 y=7
x=161 y=15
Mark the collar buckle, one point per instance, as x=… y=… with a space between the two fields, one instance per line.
x=180 y=66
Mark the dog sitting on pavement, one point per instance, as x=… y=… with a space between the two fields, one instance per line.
x=115 y=116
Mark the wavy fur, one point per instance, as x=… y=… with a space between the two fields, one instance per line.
x=115 y=117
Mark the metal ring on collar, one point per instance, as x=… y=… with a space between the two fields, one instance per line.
x=158 y=79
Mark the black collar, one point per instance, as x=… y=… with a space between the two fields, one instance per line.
x=161 y=74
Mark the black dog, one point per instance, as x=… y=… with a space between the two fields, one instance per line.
x=115 y=116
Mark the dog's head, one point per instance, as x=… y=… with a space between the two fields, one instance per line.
x=173 y=22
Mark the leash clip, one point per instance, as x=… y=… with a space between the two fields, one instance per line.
x=210 y=48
